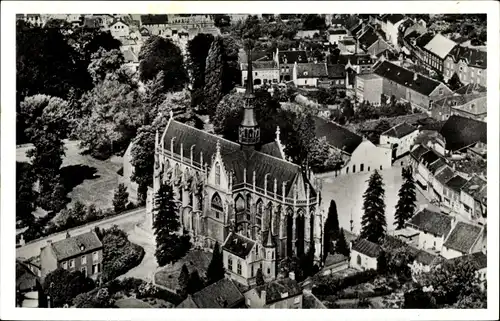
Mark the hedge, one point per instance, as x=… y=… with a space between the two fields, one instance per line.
x=331 y=286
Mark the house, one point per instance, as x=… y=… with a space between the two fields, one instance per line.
x=423 y=260
x=242 y=258
x=436 y=51
x=278 y=294
x=452 y=190
x=393 y=21
x=119 y=29
x=265 y=72
x=221 y=294
x=415 y=42
x=334 y=23
x=353 y=147
x=29 y=291
x=357 y=30
x=286 y=60
x=301 y=34
x=479 y=261
x=473 y=199
x=464 y=239
x=334 y=263
x=337 y=76
x=416 y=153
x=360 y=63
x=77 y=253
x=347 y=46
x=472 y=88
x=336 y=35
x=422 y=173
x=364 y=255
x=371 y=43
x=472 y=106
x=420 y=91
x=433 y=228
x=461 y=132
x=439 y=182
x=308 y=74
x=469 y=64
x=401 y=138
x=369 y=87
x=257 y=55
x=156 y=24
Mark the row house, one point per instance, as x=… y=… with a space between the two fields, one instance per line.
x=371 y=43
x=464 y=239
x=156 y=24
x=436 y=51
x=308 y=74
x=473 y=106
x=336 y=35
x=337 y=76
x=286 y=59
x=283 y=293
x=473 y=197
x=360 y=63
x=406 y=85
x=414 y=44
x=390 y=26
x=432 y=227
x=264 y=72
x=78 y=253
x=469 y=64
x=401 y=138
x=439 y=182
x=452 y=192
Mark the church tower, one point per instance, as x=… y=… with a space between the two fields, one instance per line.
x=269 y=268
x=249 y=131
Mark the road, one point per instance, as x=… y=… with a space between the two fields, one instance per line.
x=125 y=221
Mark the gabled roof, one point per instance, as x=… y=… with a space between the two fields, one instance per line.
x=76 y=245
x=337 y=32
x=440 y=46
x=256 y=65
x=418 y=151
x=472 y=57
x=336 y=258
x=428 y=221
x=337 y=136
x=429 y=157
x=354 y=30
x=355 y=60
x=394 y=18
x=456 y=183
x=478 y=259
x=154 y=19
x=238 y=245
x=368 y=38
x=424 y=39
x=474 y=186
x=275 y=289
x=115 y=21
x=272 y=149
x=337 y=22
x=336 y=71
x=400 y=130
x=425 y=257
x=25 y=278
x=257 y=55
x=292 y=56
x=312 y=70
x=472 y=88
x=463 y=237
x=435 y=166
x=460 y=132
x=366 y=247
x=221 y=294
x=445 y=175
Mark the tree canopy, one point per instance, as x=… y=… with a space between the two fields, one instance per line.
x=373 y=221
x=405 y=208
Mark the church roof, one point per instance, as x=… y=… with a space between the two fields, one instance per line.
x=272 y=149
x=238 y=245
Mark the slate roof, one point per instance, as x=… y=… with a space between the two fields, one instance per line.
x=359 y=59
x=392 y=243
x=336 y=71
x=456 y=183
x=221 y=294
x=337 y=22
x=478 y=259
x=336 y=258
x=405 y=77
x=72 y=246
x=238 y=245
x=337 y=32
x=463 y=237
x=400 y=130
x=235 y=159
x=366 y=247
x=154 y=19
x=435 y=166
x=312 y=70
x=459 y=102
x=272 y=149
x=427 y=221
x=260 y=65
x=460 y=132
x=440 y=46
x=473 y=57
x=445 y=175
x=25 y=278
x=337 y=136
x=418 y=152
x=368 y=38
x=474 y=186
x=299 y=56
x=394 y=18
x=256 y=55
x=471 y=88
x=429 y=157
x=276 y=288
x=424 y=39
x=356 y=29
x=425 y=257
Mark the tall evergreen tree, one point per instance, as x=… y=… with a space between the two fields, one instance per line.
x=214 y=75
x=373 y=221
x=331 y=232
x=215 y=270
x=183 y=281
x=382 y=262
x=259 y=277
x=171 y=245
x=197 y=50
x=341 y=246
x=120 y=199
x=407 y=199
x=195 y=283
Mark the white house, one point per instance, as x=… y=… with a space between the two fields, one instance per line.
x=452 y=192
x=393 y=21
x=119 y=29
x=264 y=72
x=479 y=261
x=308 y=74
x=335 y=263
x=433 y=228
x=464 y=239
x=401 y=138
x=364 y=255
x=336 y=35
x=473 y=199
x=307 y=33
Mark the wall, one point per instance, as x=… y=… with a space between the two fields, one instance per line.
x=467 y=74
x=468 y=201
x=335 y=268
x=309 y=82
x=48 y=261
x=245 y=271
x=119 y=30
x=377 y=47
x=78 y=264
x=366 y=261
x=370 y=156
x=449 y=253
x=265 y=76
x=369 y=89
x=289 y=303
x=336 y=38
x=404 y=143
x=428 y=241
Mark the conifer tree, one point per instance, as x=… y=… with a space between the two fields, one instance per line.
x=120 y=199
x=183 y=281
x=331 y=232
x=259 y=277
x=195 y=283
x=373 y=221
x=171 y=245
x=382 y=262
x=215 y=270
x=214 y=76
x=341 y=246
x=407 y=199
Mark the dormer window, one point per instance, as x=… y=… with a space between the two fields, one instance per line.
x=82 y=247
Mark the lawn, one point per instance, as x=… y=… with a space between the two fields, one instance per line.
x=132 y=303
x=88 y=180
x=348 y=190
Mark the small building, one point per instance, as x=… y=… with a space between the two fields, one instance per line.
x=433 y=228
x=337 y=76
x=278 y=294
x=308 y=74
x=436 y=51
x=119 y=29
x=371 y=43
x=479 y=261
x=77 y=253
x=364 y=255
x=335 y=263
x=369 y=87
x=469 y=64
x=29 y=291
x=401 y=138
x=223 y=294
x=461 y=132
x=392 y=23
x=464 y=239
x=286 y=60
x=301 y=34
x=360 y=63
x=472 y=106
x=472 y=197
x=336 y=35
x=264 y=72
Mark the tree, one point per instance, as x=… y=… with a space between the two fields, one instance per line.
x=214 y=76
x=62 y=286
x=26 y=197
x=259 y=277
x=405 y=208
x=222 y=20
x=170 y=245
x=347 y=109
x=161 y=54
x=183 y=281
x=120 y=199
x=382 y=126
x=382 y=263
x=195 y=283
x=454 y=82
x=373 y=221
x=341 y=246
x=197 y=50
x=313 y=21
x=94 y=299
x=331 y=232
x=215 y=270
x=104 y=62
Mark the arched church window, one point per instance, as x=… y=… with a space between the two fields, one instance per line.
x=217 y=174
x=260 y=210
x=359 y=260
x=240 y=203
x=249 y=201
x=217 y=203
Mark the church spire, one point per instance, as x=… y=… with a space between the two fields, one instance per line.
x=249 y=131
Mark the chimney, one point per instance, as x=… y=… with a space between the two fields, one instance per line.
x=291 y=275
x=415 y=76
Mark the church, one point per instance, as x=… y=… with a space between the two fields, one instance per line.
x=245 y=195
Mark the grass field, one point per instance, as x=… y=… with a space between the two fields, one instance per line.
x=91 y=181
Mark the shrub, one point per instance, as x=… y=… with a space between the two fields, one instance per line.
x=330 y=286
